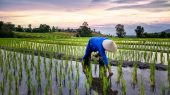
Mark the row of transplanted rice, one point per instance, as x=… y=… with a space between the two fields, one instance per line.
x=144 y=50
x=51 y=35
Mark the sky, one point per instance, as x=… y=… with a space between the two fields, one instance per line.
x=102 y=15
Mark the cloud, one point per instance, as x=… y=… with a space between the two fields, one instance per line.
x=15 y=16
x=127 y=1
x=78 y=5
x=12 y=5
x=71 y=13
x=100 y=0
x=156 y=6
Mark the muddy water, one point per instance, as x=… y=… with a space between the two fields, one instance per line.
x=161 y=78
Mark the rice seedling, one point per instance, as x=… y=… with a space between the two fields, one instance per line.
x=69 y=72
x=142 y=88
x=78 y=76
x=86 y=86
x=76 y=80
x=60 y=90
x=50 y=64
x=46 y=89
x=71 y=68
x=101 y=72
x=38 y=75
x=119 y=72
x=95 y=93
x=20 y=71
x=134 y=75
x=156 y=55
x=28 y=80
x=2 y=87
x=123 y=84
x=56 y=73
x=60 y=75
x=25 y=61
x=89 y=72
x=32 y=60
x=145 y=56
x=152 y=75
x=77 y=65
x=14 y=64
x=64 y=78
x=66 y=63
x=76 y=91
x=33 y=90
x=161 y=57
x=49 y=84
x=6 y=70
x=105 y=85
x=168 y=59
x=163 y=89
x=69 y=85
x=16 y=85
x=10 y=83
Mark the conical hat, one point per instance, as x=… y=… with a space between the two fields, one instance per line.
x=109 y=45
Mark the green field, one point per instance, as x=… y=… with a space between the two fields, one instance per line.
x=21 y=60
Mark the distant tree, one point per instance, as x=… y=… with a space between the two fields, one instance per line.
x=68 y=30
x=59 y=30
x=10 y=26
x=94 y=30
x=19 y=28
x=44 y=28
x=84 y=30
x=53 y=29
x=139 y=31
x=1 y=24
x=30 y=27
x=6 y=29
x=34 y=30
x=156 y=35
x=85 y=24
x=56 y=29
x=163 y=35
x=120 y=30
x=168 y=35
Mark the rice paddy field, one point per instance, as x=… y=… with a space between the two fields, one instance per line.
x=53 y=66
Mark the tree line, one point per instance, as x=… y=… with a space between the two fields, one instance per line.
x=43 y=28
x=6 y=30
x=120 y=32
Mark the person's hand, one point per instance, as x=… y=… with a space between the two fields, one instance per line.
x=110 y=72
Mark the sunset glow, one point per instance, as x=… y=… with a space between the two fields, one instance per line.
x=67 y=13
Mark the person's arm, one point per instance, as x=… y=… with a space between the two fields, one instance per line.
x=88 y=52
x=105 y=59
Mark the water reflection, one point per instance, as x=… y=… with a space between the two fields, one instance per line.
x=97 y=82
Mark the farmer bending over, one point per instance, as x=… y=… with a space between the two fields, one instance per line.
x=99 y=44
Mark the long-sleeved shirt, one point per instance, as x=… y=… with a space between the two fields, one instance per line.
x=95 y=44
